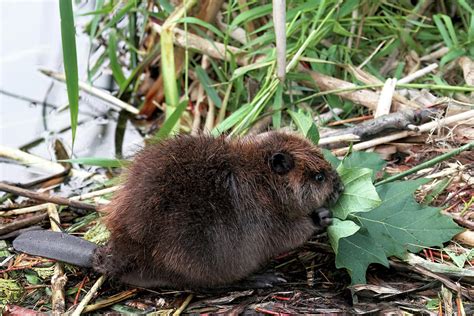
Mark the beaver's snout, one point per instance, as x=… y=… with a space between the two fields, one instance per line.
x=322 y=217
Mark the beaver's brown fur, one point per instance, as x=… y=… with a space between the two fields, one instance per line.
x=200 y=212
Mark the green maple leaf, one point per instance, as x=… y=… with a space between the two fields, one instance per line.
x=400 y=223
x=356 y=252
x=359 y=194
x=381 y=222
x=358 y=159
x=341 y=229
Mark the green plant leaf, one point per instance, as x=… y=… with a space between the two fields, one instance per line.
x=400 y=223
x=193 y=20
x=359 y=194
x=306 y=125
x=68 y=38
x=114 y=63
x=207 y=85
x=232 y=119
x=170 y=123
x=362 y=159
x=99 y=162
x=341 y=229
x=357 y=159
x=356 y=253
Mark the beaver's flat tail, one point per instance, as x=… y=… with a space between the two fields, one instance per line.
x=56 y=245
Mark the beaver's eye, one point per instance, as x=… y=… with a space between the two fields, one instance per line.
x=320 y=177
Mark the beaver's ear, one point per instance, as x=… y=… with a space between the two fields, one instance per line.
x=281 y=163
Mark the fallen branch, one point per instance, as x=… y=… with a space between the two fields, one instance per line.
x=44 y=206
x=420 y=129
x=45 y=197
x=17 y=224
x=401 y=120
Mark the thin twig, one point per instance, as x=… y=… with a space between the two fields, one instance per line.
x=338 y=139
x=419 y=73
x=428 y=163
x=184 y=305
x=45 y=197
x=59 y=279
x=87 y=298
x=17 y=224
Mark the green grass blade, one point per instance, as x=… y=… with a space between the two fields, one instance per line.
x=277 y=106
x=170 y=123
x=306 y=125
x=210 y=27
x=442 y=30
x=68 y=37
x=99 y=162
x=114 y=63
x=207 y=85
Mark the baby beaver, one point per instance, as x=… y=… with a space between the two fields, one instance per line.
x=204 y=212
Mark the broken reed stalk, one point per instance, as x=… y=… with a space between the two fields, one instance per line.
x=59 y=279
x=184 y=305
x=99 y=93
x=45 y=197
x=88 y=296
x=168 y=69
x=428 y=163
x=110 y=300
x=279 y=22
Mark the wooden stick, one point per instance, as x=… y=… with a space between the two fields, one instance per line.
x=88 y=296
x=99 y=93
x=45 y=197
x=422 y=128
x=59 y=279
x=5 y=229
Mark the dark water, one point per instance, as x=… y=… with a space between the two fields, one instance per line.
x=30 y=38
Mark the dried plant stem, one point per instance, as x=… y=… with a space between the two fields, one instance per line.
x=25 y=210
x=110 y=300
x=338 y=139
x=385 y=99
x=204 y=46
x=43 y=164
x=99 y=93
x=422 y=128
x=428 y=163
x=417 y=74
x=21 y=223
x=45 y=197
x=88 y=296
x=279 y=21
x=168 y=68
x=44 y=206
x=210 y=117
x=184 y=305
x=59 y=279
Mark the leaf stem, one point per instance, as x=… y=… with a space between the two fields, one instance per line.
x=428 y=163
